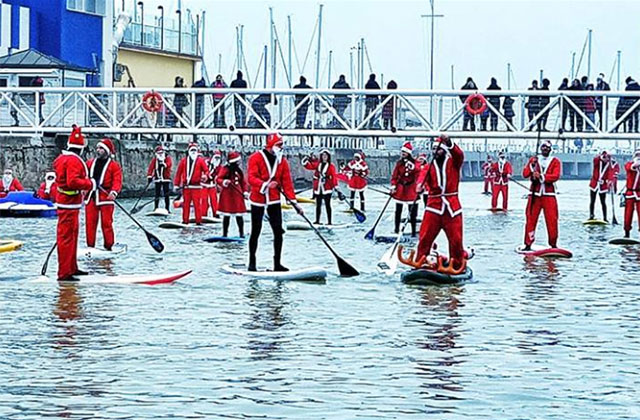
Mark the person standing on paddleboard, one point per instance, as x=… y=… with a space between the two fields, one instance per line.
x=269 y=176
x=632 y=194
x=403 y=187
x=443 y=211
x=210 y=186
x=325 y=179
x=600 y=183
x=486 y=173
x=107 y=174
x=357 y=180
x=159 y=172
x=192 y=170
x=233 y=189
x=72 y=178
x=501 y=172
x=544 y=171
x=47 y=190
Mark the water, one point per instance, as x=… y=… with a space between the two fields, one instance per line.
x=525 y=340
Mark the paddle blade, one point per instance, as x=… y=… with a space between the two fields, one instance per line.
x=370 y=234
x=360 y=216
x=154 y=242
x=346 y=269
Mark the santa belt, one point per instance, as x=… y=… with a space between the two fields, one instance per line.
x=69 y=193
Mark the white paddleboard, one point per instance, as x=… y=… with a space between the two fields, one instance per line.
x=101 y=254
x=147 y=279
x=306 y=274
x=158 y=213
x=207 y=220
x=8 y=205
x=177 y=225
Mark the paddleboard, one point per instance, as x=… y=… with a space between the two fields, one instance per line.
x=305 y=200
x=541 y=251
x=498 y=210
x=389 y=239
x=174 y=225
x=284 y=206
x=595 y=222
x=158 y=213
x=146 y=279
x=207 y=220
x=224 y=239
x=624 y=241
x=9 y=245
x=102 y=254
x=311 y=274
x=297 y=225
x=7 y=205
x=425 y=277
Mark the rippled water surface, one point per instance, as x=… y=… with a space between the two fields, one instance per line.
x=526 y=339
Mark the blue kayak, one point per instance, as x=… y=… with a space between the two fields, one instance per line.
x=26 y=204
x=224 y=239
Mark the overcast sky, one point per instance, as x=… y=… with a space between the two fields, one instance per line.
x=478 y=37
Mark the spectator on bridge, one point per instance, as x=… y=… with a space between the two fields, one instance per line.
x=389 y=109
x=199 y=98
x=259 y=106
x=575 y=119
x=632 y=119
x=467 y=118
x=38 y=82
x=602 y=86
x=564 y=106
x=180 y=101
x=589 y=108
x=239 y=108
x=301 y=103
x=494 y=100
x=533 y=104
x=507 y=110
x=371 y=101
x=340 y=102
x=543 y=101
x=218 y=114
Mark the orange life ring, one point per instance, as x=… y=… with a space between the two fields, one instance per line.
x=152 y=102
x=475 y=104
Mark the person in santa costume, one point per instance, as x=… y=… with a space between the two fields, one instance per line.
x=441 y=180
x=159 y=172
x=72 y=179
x=233 y=190
x=486 y=173
x=210 y=187
x=632 y=193
x=403 y=187
x=600 y=184
x=47 y=190
x=544 y=171
x=501 y=172
x=192 y=170
x=325 y=179
x=107 y=174
x=269 y=176
x=9 y=183
x=358 y=171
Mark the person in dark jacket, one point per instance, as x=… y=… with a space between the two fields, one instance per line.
x=575 y=119
x=632 y=119
x=602 y=86
x=301 y=112
x=199 y=98
x=533 y=104
x=180 y=101
x=494 y=100
x=542 y=102
x=467 y=118
x=507 y=110
x=371 y=101
x=238 y=107
x=389 y=109
x=564 y=106
x=340 y=102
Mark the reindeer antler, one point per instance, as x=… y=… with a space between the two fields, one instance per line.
x=410 y=260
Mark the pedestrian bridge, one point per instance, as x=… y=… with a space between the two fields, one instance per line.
x=363 y=117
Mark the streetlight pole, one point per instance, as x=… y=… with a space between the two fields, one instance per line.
x=179 y=13
x=141 y=4
x=161 y=27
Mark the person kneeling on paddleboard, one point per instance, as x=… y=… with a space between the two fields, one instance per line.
x=403 y=187
x=601 y=180
x=72 y=178
x=192 y=170
x=107 y=173
x=632 y=194
x=544 y=171
x=269 y=176
x=233 y=190
x=325 y=179
x=159 y=172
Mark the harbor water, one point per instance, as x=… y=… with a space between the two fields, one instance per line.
x=526 y=339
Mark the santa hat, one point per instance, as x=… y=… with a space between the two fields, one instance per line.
x=422 y=157
x=546 y=143
x=108 y=146
x=407 y=148
x=274 y=139
x=76 y=139
x=192 y=146
x=361 y=154
x=501 y=154
x=159 y=148
x=325 y=151
x=217 y=153
x=234 y=157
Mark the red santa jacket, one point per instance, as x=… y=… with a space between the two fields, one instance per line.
x=231 y=199
x=190 y=174
x=110 y=180
x=359 y=171
x=72 y=178
x=45 y=193
x=441 y=181
x=324 y=175
x=486 y=169
x=15 y=185
x=212 y=174
x=404 y=178
x=550 y=168
x=160 y=171
x=501 y=172
x=261 y=172
x=633 y=181
x=601 y=176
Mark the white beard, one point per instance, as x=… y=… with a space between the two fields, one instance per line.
x=7 y=180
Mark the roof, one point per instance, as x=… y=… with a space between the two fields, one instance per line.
x=33 y=58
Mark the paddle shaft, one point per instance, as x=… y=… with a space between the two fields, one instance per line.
x=371 y=233
x=360 y=216
x=133 y=209
x=533 y=196
x=46 y=261
x=613 y=208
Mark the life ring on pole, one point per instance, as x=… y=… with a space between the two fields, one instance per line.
x=152 y=102
x=475 y=104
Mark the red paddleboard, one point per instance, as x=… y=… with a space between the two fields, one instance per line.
x=146 y=279
x=540 y=251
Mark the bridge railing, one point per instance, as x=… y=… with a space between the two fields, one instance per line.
x=335 y=113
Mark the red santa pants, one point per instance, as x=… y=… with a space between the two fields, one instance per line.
x=495 y=193
x=93 y=212
x=209 y=201
x=630 y=205
x=549 y=205
x=67 y=238
x=191 y=196
x=431 y=226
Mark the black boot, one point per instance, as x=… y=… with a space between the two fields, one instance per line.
x=252 y=263
x=277 y=266
x=80 y=273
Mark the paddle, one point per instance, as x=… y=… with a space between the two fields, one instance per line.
x=360 y=216
x=379 y=191
x=153 y=240
x=371 y=234
x=613 y=208
x=46 y=262
x=345 y=269
x=533 y=195
x=145 y=204
x=134 y=209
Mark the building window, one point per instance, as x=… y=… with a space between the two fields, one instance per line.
x=96 y=7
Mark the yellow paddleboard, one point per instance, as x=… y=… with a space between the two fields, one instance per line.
x=9 y=245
